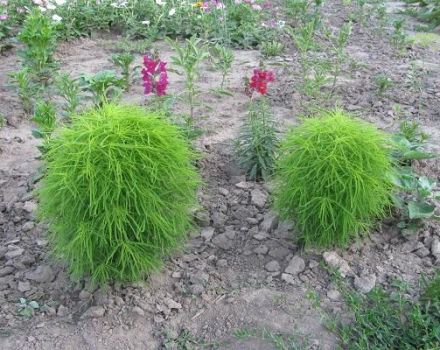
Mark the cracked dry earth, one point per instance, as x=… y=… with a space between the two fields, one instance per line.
x=241 y=279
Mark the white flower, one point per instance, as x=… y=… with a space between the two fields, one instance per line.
x=38 y=2
x=51 y=7
x=281 y=24
x=43 y=9
x=172 y=12
x=160 y=2
x=60 y=2
x=119 y=4
x=147 y=23
x=56 y=18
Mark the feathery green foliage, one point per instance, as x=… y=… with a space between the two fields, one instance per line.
x=332 y=177
x=119 y=187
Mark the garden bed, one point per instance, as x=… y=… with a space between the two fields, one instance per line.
x=241 y=281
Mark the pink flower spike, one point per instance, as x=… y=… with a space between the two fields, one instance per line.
x=154 y=76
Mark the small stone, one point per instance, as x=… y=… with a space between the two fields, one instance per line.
x=197 y=289
x=62 y=311
x=29 y=206
x=243 y=185
x=207 y=233
x=202 y=218
x=270 y=223
x=85 y=295
x=23 y=286
x=273 y=266
x=422 y=252
x=435 y=247
x=296 y=266
x=218 y=219
x=28 y=226
x=260 y=236
x=13 y=252
x=42 y=274
x=335 y=261
x=171 y=304
x=93 y=312
x=230 y=234
x=313 y=264
x=288 y=278
x=261 y=249
x=222 y=263
x=279 y=252
x=222 y=241
x=258 y=198
x=365 y=283
x=334 y=295
x=7 y=270
x=138 y=311
x=223 y=191
x=176 y=275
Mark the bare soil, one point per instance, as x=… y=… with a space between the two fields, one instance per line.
x=229 y=287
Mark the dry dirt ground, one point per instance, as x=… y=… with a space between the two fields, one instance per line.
x=241 y=282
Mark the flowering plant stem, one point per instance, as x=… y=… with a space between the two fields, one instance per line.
x=188 y=58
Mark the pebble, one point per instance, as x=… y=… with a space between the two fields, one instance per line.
x=365 y=283
x=296 y=266
x=273 y=266
x=138 y=311
x=42 y=274
x=62 y=311
x=261 y=249
x=7 y=270
x=23 y=286
x=335 y=261
x=334 y=295
x=207 y=233
x=435 y=247
x=260 y=236
x=222 y=241
x=93 y=312
x=258 y=198
x=270 y=223
x=288 y=278
x=13 y=252
x=171 y=304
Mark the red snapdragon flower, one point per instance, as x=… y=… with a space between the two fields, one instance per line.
x=154 y=76
x=259 y=81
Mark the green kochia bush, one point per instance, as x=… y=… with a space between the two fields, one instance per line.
x=333 y=177
x=119 y=186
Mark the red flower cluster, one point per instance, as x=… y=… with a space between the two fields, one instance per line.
x=154 y=75
x=259 y=81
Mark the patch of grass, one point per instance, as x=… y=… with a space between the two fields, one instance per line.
x=117 y=194
x=392 y=320
x=426 y=40
x=332 y=178
x=279 y=341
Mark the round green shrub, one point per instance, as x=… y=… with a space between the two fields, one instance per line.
x=332 y=178
x=119 y=187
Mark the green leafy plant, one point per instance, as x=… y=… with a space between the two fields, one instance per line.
x=105 y=86
x=39 y=37
x=69 y=90
x=383 y=83
x=257 y=144
x=399 y=37
x=339 y=43
x=27 y=308
x=222 y=58
x=124 y=61
x=45 y=118
x=188 y=59
x=272 y=48
x=118 y=192
x=332 y=178
x=391 y=319
x=416 y=193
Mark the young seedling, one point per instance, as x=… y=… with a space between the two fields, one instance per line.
x=222 y=59
x=45 y=118
x=25 y=88
x=188 y=58
x=69 y=90
x=27 y=308
x=272 y=48
x=124 y=61
x=399 y=38
x=339 y=43
x=39 y=37
x=104 y=86
x=383 y=83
